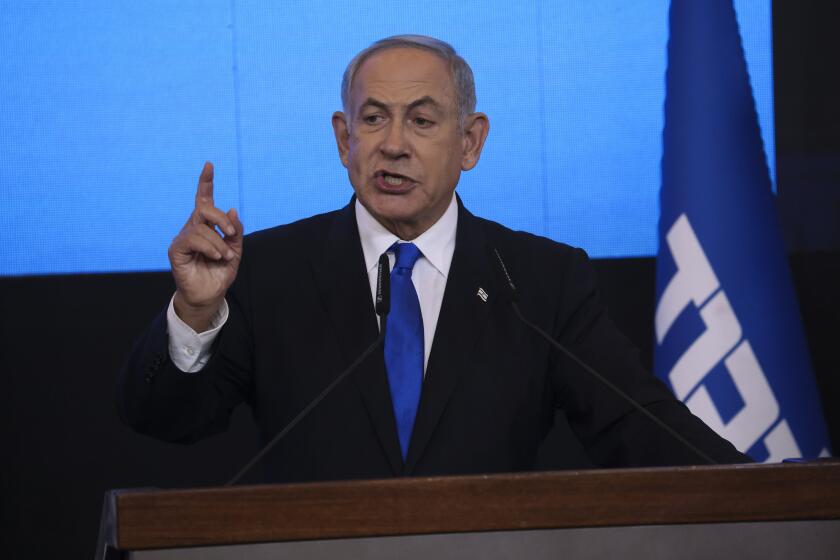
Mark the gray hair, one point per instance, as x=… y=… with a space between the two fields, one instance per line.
x=462 y=74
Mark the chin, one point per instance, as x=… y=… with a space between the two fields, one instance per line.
x=391 y=206
x=394 y=212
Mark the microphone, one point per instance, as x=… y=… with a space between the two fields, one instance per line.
x=383 y=290
x=382 y=306
x=587 y=368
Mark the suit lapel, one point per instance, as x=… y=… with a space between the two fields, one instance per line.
x=344 y=287
x=462 y=317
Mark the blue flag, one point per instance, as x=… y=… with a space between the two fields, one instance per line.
x=729 y=340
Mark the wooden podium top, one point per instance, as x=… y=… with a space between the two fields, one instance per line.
x=149 y=519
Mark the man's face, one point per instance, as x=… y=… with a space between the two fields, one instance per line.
x=401 y=142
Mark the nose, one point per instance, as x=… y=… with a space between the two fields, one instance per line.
x=395 y=145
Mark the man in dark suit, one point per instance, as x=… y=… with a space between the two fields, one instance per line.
x=462 y=385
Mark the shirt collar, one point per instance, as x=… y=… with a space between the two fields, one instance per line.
x=436 y=243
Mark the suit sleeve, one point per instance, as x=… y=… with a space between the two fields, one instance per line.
x=611 y=430
x=156 y=398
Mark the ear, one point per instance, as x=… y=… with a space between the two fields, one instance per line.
x=342 y=136
x=476 y=128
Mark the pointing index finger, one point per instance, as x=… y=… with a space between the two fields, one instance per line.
x=204 y=193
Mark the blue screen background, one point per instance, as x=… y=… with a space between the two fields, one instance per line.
x=109 y=109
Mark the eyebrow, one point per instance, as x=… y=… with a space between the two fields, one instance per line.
x=425 y=100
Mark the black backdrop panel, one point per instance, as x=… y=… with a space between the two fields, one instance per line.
x=64 y=339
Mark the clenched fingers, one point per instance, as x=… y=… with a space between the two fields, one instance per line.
x=205 y=240
x=187 y=246
x=207 y=214
x=222 y=249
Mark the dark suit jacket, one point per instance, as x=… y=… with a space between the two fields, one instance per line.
x=300 y=312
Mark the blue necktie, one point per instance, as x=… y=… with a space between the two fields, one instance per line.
x=404 y=343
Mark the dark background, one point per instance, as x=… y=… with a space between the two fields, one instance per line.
x=63 y=338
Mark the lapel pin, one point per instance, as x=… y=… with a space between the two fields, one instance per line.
x=482 y=294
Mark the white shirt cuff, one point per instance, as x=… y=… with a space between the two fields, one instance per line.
x=189 y=350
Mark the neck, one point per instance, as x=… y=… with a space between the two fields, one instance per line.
x=409 y=230
x=406 y=232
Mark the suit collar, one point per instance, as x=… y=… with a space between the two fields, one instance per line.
x=462 y=317
x=341 y=277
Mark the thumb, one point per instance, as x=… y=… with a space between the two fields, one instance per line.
x=236 y=238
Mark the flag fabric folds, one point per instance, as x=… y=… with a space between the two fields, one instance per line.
x=729 y=339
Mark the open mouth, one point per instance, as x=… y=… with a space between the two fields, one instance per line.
x=393 y=182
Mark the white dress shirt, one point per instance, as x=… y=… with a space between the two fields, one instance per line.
x=190 y=350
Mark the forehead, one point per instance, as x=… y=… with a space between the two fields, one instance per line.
x=402 y=75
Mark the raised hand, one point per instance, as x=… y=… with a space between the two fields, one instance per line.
x=204 y=262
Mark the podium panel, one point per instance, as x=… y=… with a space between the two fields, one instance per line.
x=732 y=511
x=815 y=540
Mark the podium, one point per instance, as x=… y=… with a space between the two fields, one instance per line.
x=728 y=511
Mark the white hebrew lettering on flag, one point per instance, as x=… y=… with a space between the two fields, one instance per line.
x=760 y=408
x=781 y=444
x=695 y=283
x=721 y=335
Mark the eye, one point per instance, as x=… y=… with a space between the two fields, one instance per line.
x=422 y=122
x=373 y=119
